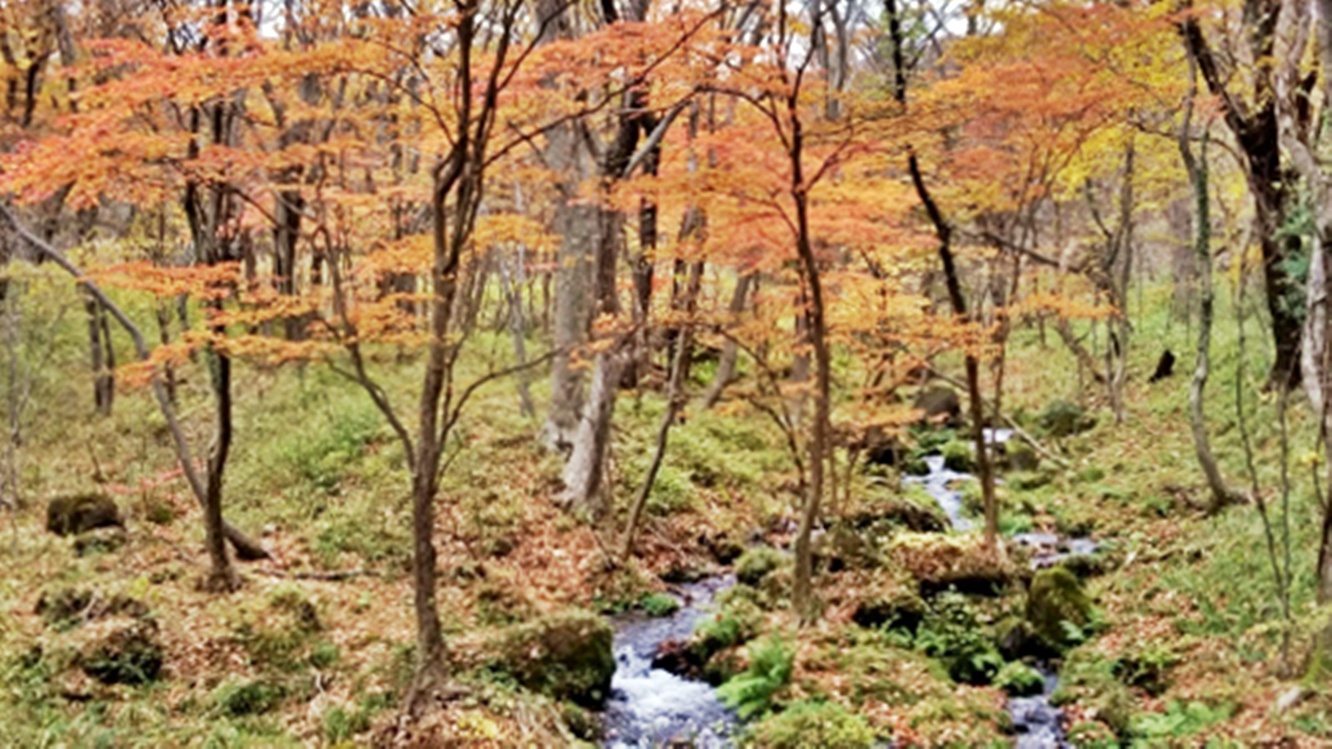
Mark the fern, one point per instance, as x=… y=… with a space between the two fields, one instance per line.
x=750 y=693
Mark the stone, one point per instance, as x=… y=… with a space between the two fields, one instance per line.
x=128 y=655
x=1055 y=601
x=1065 y=419
x=1016 y=455
x=898 y=512
x=940 y=405
x=79 y=513
x=566 y=656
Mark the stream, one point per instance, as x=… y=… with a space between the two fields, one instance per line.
x=651 y=707
x=1038 y=724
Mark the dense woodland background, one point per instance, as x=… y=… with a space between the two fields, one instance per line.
x=359 y=360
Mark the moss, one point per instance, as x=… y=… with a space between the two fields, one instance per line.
x=566 y=656
x=128 y=655
x=80 y=513
x=957 y=456
x=659 y=604
x=1019 y=680
x=757 y=563
x=813 y=725
x=1064 y=419
x=892 y=608
x=237 y=698
x=1058 y=608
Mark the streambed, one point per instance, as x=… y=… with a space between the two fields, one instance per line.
x=1039 y=725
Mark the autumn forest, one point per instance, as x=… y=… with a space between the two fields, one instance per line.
x=433 y=373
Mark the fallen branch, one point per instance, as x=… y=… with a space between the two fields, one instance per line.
x=335 y=576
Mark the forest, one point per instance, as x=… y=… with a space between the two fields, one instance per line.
x=702 y=373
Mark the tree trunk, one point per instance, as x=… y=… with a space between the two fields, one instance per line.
x=584 y=472
x=1196 y=167
x=730 y=351
x=976 y=400
x=101 y=357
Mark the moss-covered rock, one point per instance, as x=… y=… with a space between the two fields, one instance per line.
x=1064 y=419
x=883 y=514
x=892 y=608
x=939 y=562
x=757 y=563
x=129 y=654
x=1017 y=455
x=1058 y=608
x=1015 y=638
x=79 y=513
x=566 y=656
x=1019 y=680
x=957 y=456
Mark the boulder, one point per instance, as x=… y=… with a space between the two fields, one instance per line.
x=940 y=562
x=566 y=656
x=79 y=513
x=1064 y=419
x=1056 y=601
x=127 y=655
x=894 y=609
x=939 y=405
x=898 y=512
x=957 y=456
x=100 y=541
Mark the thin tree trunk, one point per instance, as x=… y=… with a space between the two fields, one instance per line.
x=512 y=286
x=730 y=351
x=1221 y=493
x=976 y=400
x=674 y=400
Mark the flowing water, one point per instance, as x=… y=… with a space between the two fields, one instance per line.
x=1039 y=725
x=651 y=707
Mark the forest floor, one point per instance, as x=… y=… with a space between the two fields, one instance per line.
x=1185 y=645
